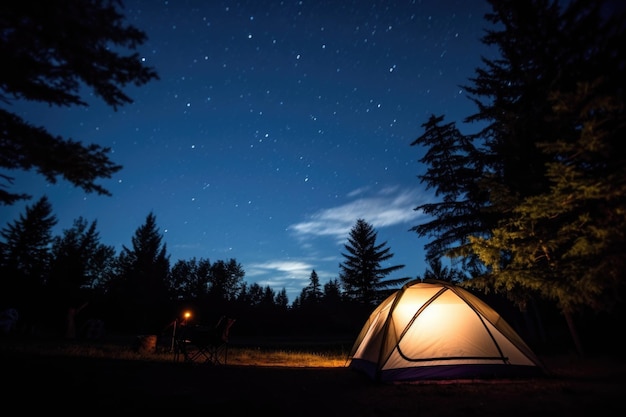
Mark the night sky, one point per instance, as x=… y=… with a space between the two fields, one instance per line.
x=274 y=126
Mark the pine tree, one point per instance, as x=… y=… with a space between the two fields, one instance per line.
x=79 y=261
x=141 y=287
x=312 y=293
x=281 y=300
x=567 y=244
x=332 y=292
x=552 y=104
x=454 y=168
x=362 y=272
x=561 y=176
x=26 y=254
x=437 y=271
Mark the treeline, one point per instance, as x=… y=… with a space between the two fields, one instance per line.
x=46 y=278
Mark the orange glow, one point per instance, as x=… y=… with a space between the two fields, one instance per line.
x=186 y=317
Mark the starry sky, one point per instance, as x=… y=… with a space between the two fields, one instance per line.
x=275 y=125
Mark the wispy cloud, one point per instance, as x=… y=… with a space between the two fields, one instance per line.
x=291 y=275
x=387 y=207
x=290 y=267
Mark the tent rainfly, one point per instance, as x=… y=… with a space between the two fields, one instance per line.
x=437 y=330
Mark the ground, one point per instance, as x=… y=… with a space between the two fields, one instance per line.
x=80 y=384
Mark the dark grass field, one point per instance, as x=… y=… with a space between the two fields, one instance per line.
x=81 y=386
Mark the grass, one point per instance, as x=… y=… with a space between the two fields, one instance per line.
x=303 y=355
x=256 y=357
x=242 y=356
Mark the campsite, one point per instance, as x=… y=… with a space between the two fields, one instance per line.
x=288 y=152
x=430 y=349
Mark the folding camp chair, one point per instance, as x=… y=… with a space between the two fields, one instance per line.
x=204 y=344
x=215 y=350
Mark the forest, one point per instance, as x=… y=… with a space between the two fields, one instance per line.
x=531 y=209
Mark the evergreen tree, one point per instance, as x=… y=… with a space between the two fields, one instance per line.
x=437 y=271
x=312 y=293
x=51 y=50
x=255 y=295
x=567 y=244
x=362 y=272
x=79 y=261
x=551 y=190
x=26 y=256
x=141 y=289
x=454 y=167
x=332 y=292
x=556 y=117
x=282 y=301
x=269 y=295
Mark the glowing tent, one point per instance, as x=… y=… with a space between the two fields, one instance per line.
x=437 y=330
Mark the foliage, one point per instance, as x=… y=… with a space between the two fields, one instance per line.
x=567 y=244
x=26 y=254
x=453 y=167
x=189 y=279
x=78 y=262
x=437 y=271
x=52 y=50
x=312 y=293
x=281 y=300
x=140 y=289
x=226 y=279
x=332 y=292
x=535 y=205
x=362 y=272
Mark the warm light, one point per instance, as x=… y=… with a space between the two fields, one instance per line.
x=186 y=317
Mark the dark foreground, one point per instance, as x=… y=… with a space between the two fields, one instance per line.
x=82 y=386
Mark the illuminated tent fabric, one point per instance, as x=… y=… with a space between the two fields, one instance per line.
x=437 y=330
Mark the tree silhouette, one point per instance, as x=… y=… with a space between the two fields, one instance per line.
x=332 y=292
x=26 y=247
x=362 y=272
x=50 y=51
x=79 y=264
x=454 y=167
x=281 y=300
x=312 y=293
x=189 y=279
x=437 y=271
x=26 y=259
x=546 y=217
x=141 y=288
x=226 y=280
x=253 y=296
